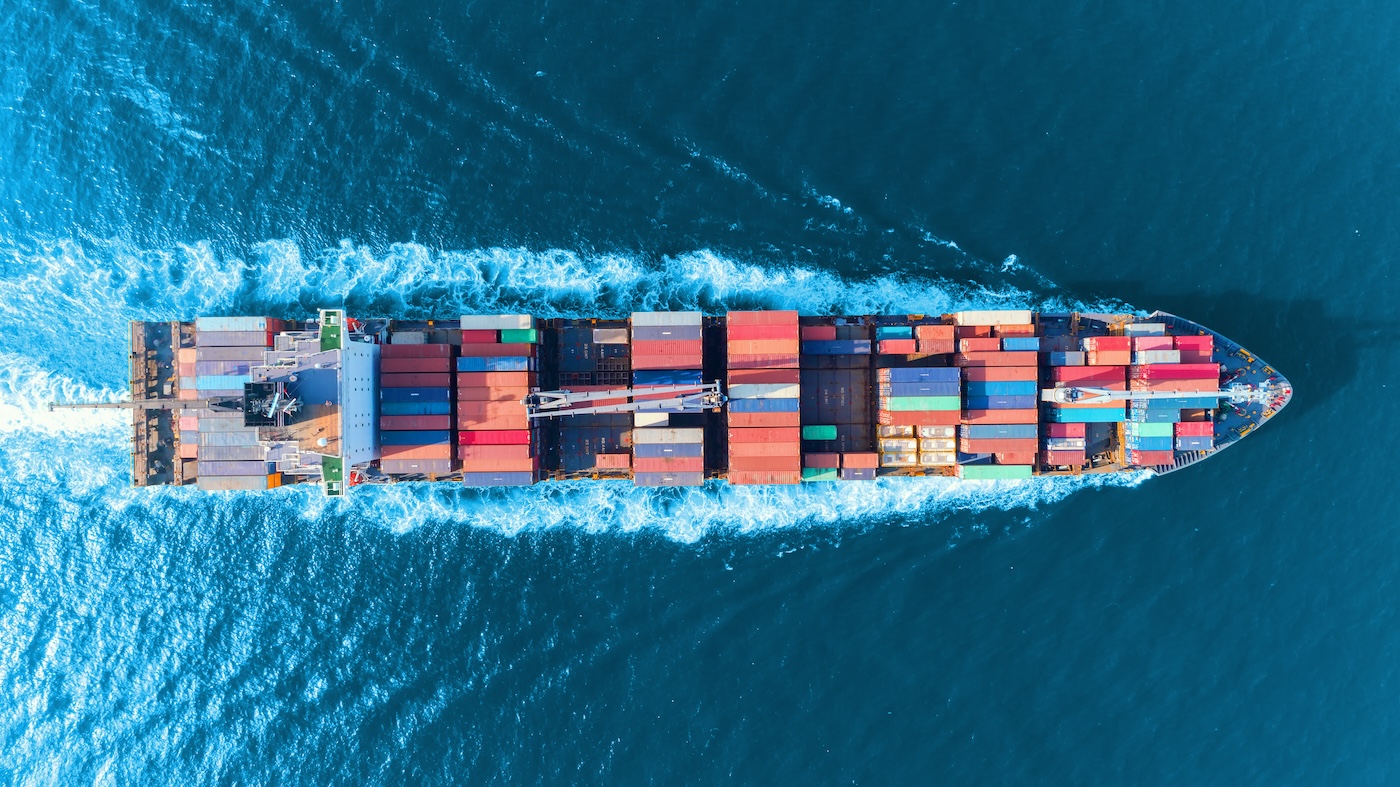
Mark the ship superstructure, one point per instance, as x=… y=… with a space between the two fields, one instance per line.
x=679 y=398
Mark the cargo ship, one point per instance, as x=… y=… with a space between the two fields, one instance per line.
x=682 y=398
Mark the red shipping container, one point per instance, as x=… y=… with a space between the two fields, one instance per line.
x=1071 y=458
x=414 y=365
x=612 y=461
x=1150 y=458
x=415 y=452
x=668 y=347
x=786 y=434
x=1177 y=371
x=491 y=452
x=1000 y=374
x=819 y=333
x=667 y=361
x=1195 y=429
x=1195 y=349
x=1186 y=386
x=765 y=376
x=919 y=418
x=668 y=464
x=500 y=465
x=761 y=318
x=821 y=460
x=481 y=337
x=897 y=347
x=1108 y=357
x=997 y=445
x=860 y=460
x=779 y=463
x=1000 y=416
x=761 y=332
x=414 y=423
x=764 y=477
x=443 y=380
x=1015 y=330
x=788 y=361
x=1018 y=458
x=495 y=437
x=972 y=332
x=1026 y=358
x=480 y=350
x=415 y=351
x=1065 y=430
x=764 y=449
x=1108 y=343
x=979 y=345
x=484 y=394
x=764 y=347
x=495 y=379
x=1086 y=375
x=1146 y=343
x=747 y=420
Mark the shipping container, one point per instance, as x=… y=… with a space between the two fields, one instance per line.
x=988 y=344
x=230 y=483
x=908 y=403
x=414 y=365
x=764 y=391
x=1001 y=402
x=736 y=333
x=1001 y=388
x=416 y=437
x=440 y=394
x=254 y=355
x=612 y=461
x=215 y=368
x=496 y=322
x=668 y=464
x=1017 y=330
x=1106 y=344
x=1151 y=458
x=1157 y=356
x=1195 y=349
x=233 y=339
x=1149 y=343
x=441 y=380
x=821 y=460
x=414 y=422
x=1195 y=443
x=1000 y=373
x=860 y=460
x=894 y=332
x=1065 y=430
x=495 y=380
x=973 y=332
x=1005 y=416
x=769 y=435
x=993 y=317
x=1063 y=458
x=1149 y=430
x=764 y=477
x=997 y=445
x=495 y=364
x=764 y=377
x=920 y=389
x=1208 y=385
x=1194 y=429
x=1180 y=371
x=763 y=406
x=653 y=319
x=1144 y=329
x=1089 y=376
x=819 y=474
x=1030 y=359
x=897 y=431
x=663 y=450
x=993 y=431
x=819 y=432
x=480 y=337
x=241 y=437
x=481 y=350
x=189 y=355
x=765 y=463
x=668 y=479
x=941 y=431
x=483 y=453
x=922 y=374
x=666 y=361
x=919 y=417
x=783 y=361
x=408 y=338
x=857 y=474
x=994 y=472
x=416 y=466
x=748 y=420
x=837 y=347
x=1020 y=343
x=1065 y=443
x=667 y=377
x=669 y=435
x=897 y=347
x=498 y=479
x=518 y=336
x=414 y=351
x=641 y=418
x=936 y=346
x=1107 y=358
x=1101 y=415
x=1067 y=359
x=213 y=468
x=782 y=317
x=231 y=453
x=222 y=382
x=527 y=465
x=819 y=333
x=899 y=460
x=507 y=394
x=610 y=336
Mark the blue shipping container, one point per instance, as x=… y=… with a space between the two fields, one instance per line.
x=1195 y=443
x=667 y=377
x=498 y=479
x=1020 y=343
x=503 y=363
x=221 y=382
x=931 y=374
x=924 y=389
x=415 y=408
x=763 y=405
x=1155 y=416
x=837 y=347
x=857 y=474
x=415 y=394
x=1000 y=402
x=998 y=431
x=1096 y=415
x=434 y=437
x=894 y=332
x=1067 y=358
x=1016 y=388
x=663 y=450
x=1179 y=403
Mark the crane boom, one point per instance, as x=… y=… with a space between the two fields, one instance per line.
x=691 y=397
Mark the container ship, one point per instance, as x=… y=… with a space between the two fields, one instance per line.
x=683 y=398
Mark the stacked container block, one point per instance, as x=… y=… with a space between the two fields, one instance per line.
x=592 y=358
x=228 y=454
x=496 y=369
x=838 y=438
x=999 y=354
x=914 y=401
x=415 y=409
x=1182 y=365
x=764 y=385
x=667 y=350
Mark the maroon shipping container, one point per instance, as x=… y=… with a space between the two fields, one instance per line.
x=1071 y=458
x=763 y=361
x=1195 y=429
x=762 y=318
x=480 y=350
x=415 y=351
x=668 y=464
x=414 y=365
x=972 y=332
x=819 y=333
x=1065 y=430
x=1176 y=371
x=414 y=423
x=480 y=337
x=765 y=376
x=766 y=434
x=443 y=380
x=750 y=332
x=821 y=460
x=999 y=445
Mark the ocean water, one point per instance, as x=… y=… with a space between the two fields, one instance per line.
x=1232 y=624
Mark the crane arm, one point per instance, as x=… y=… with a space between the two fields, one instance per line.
x=549 y=404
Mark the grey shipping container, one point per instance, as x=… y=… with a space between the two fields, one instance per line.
x=225 y=324
x=203 y=368
x=223 y=425
x=662 y=450
x=231 y=339
x=231 y=483
x=650 y=319
x=668 y=479
x=248 y=437
x=233 y=468
x=857 y=474
x=670 y=435
x=666 y=333
x=418 y=466
x=229 y=353
x=498 y=479
x=408 y=337
x=610 y=336
x=233 y=453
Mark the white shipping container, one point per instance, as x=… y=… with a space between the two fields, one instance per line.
x=408 y=337
x=899 y=460
x=230 y=324
x=897 y=431
x=993 y=317
x=938 y=444
x=1145 y=329
x=1147 y=357
x=609 y=335
x=651 y=436
x=496 y=322
x=650 y=419
x=765 y=391
x=899 y=445
x=231 y=483
x=647 y=319
x=223 y=424
x=249 y=437
x=937 y=459
x=1064 y=443
x=937 y=431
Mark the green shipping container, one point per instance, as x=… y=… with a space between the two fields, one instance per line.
x=819 y=433
x=994 y=472
x=519 y=336
x=818 y=474
x=913 y=403
x=1150 y=430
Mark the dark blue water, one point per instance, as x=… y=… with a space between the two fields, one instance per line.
x=1232 y=624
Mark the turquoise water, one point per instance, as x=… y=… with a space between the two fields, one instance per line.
x=1230 y=624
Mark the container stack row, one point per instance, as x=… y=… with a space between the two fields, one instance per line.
x=415 y=408
x=596 y=356
x=496 y=368
x=229 y=455
x=919 y=409
x=1183 y=366
x=999 y=355
x=764 y=387
x=667 y=350
x=838 y=439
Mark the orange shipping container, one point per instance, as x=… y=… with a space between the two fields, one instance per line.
x=861 y=460
x=762 y=318
x=770 y=435
x=493 y=452
x=764 y=449
x=187 y=369
x=765 y=376
x=1026 y=358
x=746 y=477
x=490 y=379
x=415 y=452
x=484 y=394
x=933 y=333
x=1000 y=416
x=742 y=420
x=668 y=464
x=919 y=418
x=997 y=374
x=186 y=355
x=1015 y=330
x=768 y=463
x=189 y=450
x=1109 y=357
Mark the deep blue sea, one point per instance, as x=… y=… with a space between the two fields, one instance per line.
x=1233 y=624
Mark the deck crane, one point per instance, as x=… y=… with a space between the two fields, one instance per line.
x=1237 y=394
x=688 y=398
x=222 y=404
